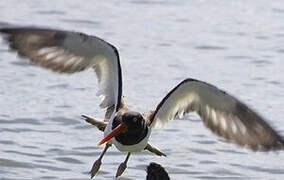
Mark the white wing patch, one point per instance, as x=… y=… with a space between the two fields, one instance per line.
x=214 y=117
x=242 y=127
x=223 y=123
x=175 y=107
x=46 y=50
x=54 y=54
x=234 y=127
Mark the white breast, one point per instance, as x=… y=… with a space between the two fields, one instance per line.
x=132 y=148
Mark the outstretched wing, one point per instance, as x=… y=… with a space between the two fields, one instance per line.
x=222 y=113
x=70 y=52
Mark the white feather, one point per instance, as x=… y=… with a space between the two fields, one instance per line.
x=214 y=117
x=234 y=127
x=54 y=54
x=46 y=50
x=223 y=123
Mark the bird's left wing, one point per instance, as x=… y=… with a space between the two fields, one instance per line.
x=222 y=113
x=70 y=52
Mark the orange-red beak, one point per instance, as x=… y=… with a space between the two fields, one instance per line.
x=120 y=128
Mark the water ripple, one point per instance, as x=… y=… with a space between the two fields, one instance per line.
x=59 y=86
x=277 y=83
x=277 y=10
x=175 y=170
x=16 y=130
x=224 y=172
x=19 y=130
x=26 y=154
x=48 y=177
x=261 y=62
x=279 y=35
x=51 y=12
x=149 y=2
x=64 y=106
x=207 y=162
x=21 y=121
x=281 y=51
x=184 y=165
x=30 y=147
x=21 y=63
x=7 y=142
x=13 y=163
x=262 y=37
x=221 y=177
x=69 y=160
x=80 y=21
x=57 y=151
x=64 y=121
x=201 y=151
x=85 y=148
x=239 y=57
x=206 y=142
x=261 y=169
x=207 y=47
x=52 y=168
x=230 y=151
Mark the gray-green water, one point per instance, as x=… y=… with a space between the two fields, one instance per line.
x=236 y=45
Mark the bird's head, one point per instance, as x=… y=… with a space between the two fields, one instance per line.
x=128 y=129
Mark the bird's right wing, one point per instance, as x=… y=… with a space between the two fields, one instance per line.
x=222 y=113
x=69 y=52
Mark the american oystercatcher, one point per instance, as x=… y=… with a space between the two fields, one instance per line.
x=70 y=52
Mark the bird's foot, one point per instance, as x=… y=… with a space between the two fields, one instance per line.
x=154 y=150
x=101 y=125
x=95 y=168
x=121 y=169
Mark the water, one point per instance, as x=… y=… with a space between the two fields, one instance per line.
x=236 y=45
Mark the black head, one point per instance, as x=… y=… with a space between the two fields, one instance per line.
x=133 y=120
x=136 y=128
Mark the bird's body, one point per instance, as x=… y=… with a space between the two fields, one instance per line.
x=134 y=142
x=70 y=52
x=141 y=145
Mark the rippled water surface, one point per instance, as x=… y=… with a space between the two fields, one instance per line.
x=236 y=45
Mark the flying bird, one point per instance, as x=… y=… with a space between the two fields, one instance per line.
x=129 y=131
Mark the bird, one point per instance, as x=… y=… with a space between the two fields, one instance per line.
x=156 y=172
x=129 y=131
